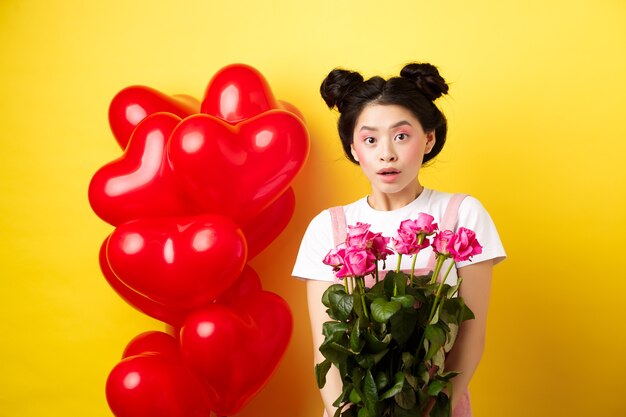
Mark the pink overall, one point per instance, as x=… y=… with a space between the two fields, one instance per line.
x=338 y=219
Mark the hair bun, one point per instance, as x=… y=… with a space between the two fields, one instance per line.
x=427 y=79
x=337 y=85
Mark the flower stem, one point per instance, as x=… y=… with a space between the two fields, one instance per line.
x=438 y=294
x=361 y=284
x=440 y=259
x=420 y=240
x=398 y=265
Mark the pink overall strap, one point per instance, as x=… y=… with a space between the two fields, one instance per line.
x=448 y=221
x=338 y=221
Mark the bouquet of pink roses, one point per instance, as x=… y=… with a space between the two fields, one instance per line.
x=389 y=341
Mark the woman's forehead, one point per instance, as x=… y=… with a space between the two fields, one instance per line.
x=375 y=117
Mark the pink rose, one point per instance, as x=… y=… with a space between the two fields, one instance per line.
x=463 y=245
x=423 y=224
x=357 y=235
x=334 y=257
x=441 y=240
x=357 y=262
x=407 y=242
x=378 y=245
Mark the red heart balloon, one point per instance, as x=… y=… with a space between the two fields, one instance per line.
x=234 y=349
x=238 y=170
x=237 y=92
x=171 y=315
x=182 y=262
x=154 y=385
x=247 y=283
x=140 y=183
x=133 y=104
x=153 y=342
x=267 y=225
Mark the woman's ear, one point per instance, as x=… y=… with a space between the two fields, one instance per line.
x=353 y=152
x=430 y=141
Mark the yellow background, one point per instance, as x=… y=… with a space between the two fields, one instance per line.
x=537 y=133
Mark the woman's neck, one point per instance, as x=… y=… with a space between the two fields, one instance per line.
x=387 y=202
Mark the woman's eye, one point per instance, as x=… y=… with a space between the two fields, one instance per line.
x=370 y=140
x=401 y=136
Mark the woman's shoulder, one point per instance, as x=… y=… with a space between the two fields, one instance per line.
x=467 y=201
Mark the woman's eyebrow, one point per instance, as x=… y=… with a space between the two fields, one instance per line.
x=393 y=126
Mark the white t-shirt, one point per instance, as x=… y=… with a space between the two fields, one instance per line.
x=318 y=238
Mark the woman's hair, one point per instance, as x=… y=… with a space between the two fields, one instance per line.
x=416 y=88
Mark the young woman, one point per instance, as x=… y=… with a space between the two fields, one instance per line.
x=390 y=128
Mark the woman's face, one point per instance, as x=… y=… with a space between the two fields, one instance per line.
x=389 y=143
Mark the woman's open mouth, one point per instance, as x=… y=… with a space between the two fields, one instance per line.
x=388 y=174
x=388 y=171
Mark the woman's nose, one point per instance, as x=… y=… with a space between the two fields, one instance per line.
x=387 y=153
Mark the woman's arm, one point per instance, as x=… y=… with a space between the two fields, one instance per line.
x=470 y=343
x=317 y=314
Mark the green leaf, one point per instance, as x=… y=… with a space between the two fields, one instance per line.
x=438 y=360
x=407 y=300
x=334 y=352
x=407 y=359
x=401 y=412
x=411 y=380
x=354 y=397
x=401 y=280
x=406 y=399
x=374 y=345
x=333 y=288
x=383 y=310
x=466 y=313
x=364 y=413
x=321 y=369
x=395 y=283
x=420 y=283
x=437 y=338
x=367 y=361
x=396 y=388
x=442 y=407
x=453 y=290
x=435 y=387
x=356 y=391
x=341 y=305
x=423 y=373
x=358 y=308
x=403 y=325
x=334 y=330
x=357 y=376
x=449 y=375
x=356 y=343
x=371 y=296
x=450 y=310
x=454 y=331
x=371 y=393
x=382 y=380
